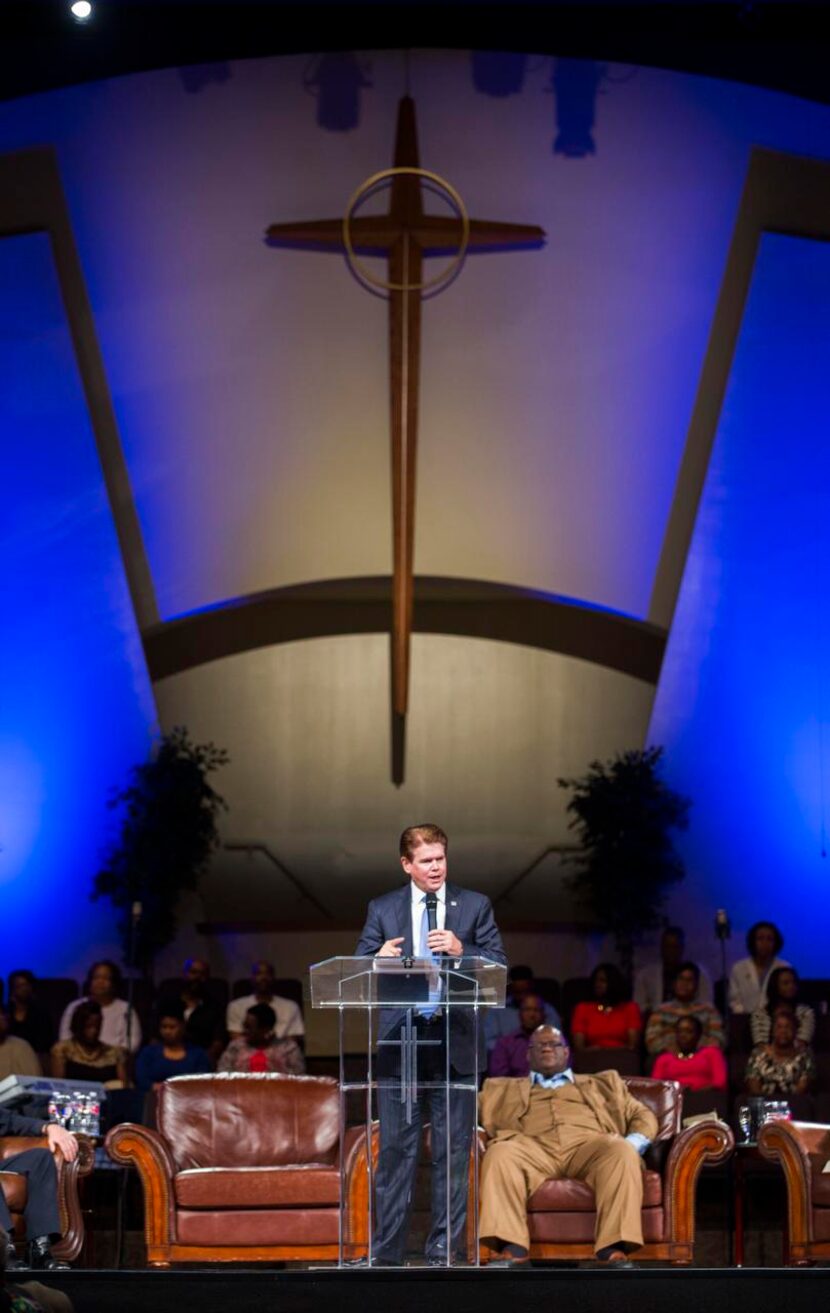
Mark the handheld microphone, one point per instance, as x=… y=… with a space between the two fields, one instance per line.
x=432 y=911
x=432 y=917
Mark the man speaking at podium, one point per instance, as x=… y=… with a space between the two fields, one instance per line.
x=398 y=924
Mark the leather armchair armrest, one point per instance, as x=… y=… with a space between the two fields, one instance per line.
x=357 y=1186
x=140 y=1147
x=796 y=1145
x=806 y=1138
x=351 y=1145
x=708 y=1142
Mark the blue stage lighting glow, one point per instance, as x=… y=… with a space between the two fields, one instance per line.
x=744 y=701
x=76 y=701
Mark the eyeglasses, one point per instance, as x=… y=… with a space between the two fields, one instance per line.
x=548 y=1044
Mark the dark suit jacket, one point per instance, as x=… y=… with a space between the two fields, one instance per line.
x=11 y=1123
x=470 y=916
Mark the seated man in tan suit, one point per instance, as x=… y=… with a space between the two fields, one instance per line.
x=554 y=1124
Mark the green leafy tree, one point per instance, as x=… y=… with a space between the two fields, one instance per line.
x=168 y=833
x=623 y=814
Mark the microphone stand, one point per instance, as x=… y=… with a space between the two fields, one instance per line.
x=723 y=931
x=135 y=919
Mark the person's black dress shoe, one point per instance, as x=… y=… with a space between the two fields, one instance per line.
x=42 y=1258
x=440 y=1260
x=12 y=1262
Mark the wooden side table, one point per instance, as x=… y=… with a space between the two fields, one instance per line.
x=748 y=1163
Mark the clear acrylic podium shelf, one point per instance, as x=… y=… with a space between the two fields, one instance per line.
x=397 y=982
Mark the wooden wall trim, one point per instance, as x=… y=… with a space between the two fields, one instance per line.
x=469 y=608
x=786 y=194
x=32 y=201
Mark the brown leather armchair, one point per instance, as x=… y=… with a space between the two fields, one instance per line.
x=561 y=1214
x=242 y=1167
x=803 y=1149
x=15 y=1187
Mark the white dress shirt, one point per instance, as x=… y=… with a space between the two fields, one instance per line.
x=289 y=1017
x=746 y=991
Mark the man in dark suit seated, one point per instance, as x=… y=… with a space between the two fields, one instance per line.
x=38 y=1166
x=397 y=925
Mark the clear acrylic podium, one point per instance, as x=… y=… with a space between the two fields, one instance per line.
x=382 y=1003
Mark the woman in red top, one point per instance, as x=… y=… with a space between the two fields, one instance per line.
x=609 y=1022
x=696 y=1068
x=258 y=1049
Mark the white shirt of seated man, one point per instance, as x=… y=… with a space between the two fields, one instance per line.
x=289 y=1017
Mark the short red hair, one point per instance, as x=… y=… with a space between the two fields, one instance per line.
x=415 y=834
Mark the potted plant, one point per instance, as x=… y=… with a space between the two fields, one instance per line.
x=623 y=814
x=168 y=832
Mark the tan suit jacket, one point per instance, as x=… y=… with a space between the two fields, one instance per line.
x=504 y=1100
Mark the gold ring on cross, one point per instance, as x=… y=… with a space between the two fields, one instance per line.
x=359 y=268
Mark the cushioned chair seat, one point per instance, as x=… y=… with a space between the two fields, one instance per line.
x=821 y=1187
x=14 y=1191
x=577 y=1197
x=578 y=1228
x=306 y=1186
x=821 y=1224
x=249 y=1227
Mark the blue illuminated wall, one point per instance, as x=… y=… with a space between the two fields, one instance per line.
x=75 y=702
x=744 y=702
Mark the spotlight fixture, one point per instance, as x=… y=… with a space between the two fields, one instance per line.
x=336 y=79
x=81 y=10
x=575 y=84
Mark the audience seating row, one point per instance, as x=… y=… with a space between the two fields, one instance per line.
x=55 y=993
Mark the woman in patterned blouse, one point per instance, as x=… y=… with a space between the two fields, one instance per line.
x=783 y=1066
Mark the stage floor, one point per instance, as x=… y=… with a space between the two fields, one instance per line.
x=534 y=1290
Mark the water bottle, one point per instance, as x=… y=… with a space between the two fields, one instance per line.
x=75 y=1106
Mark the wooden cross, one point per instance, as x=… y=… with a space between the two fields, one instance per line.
x=405 y=235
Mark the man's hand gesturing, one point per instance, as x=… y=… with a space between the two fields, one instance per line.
x=392 y=948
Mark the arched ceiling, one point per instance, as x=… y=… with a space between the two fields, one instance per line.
x=250 y=417
x=778 y=45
